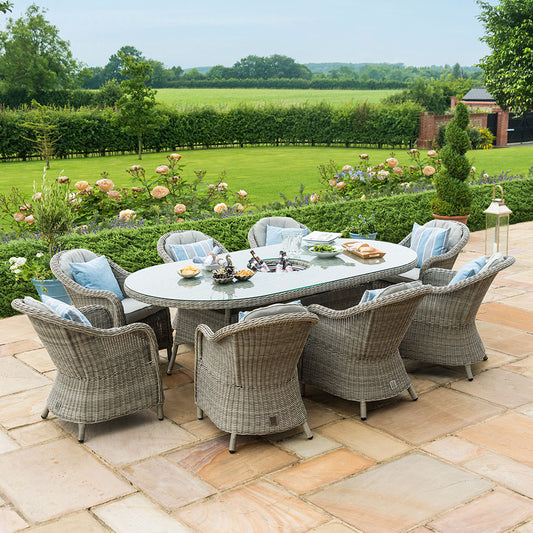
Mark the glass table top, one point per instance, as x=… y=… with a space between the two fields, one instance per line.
x=162 y=285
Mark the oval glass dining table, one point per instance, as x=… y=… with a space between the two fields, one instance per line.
x=161 y=285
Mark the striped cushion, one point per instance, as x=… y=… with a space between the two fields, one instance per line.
x=427 y=242
x=181 y=252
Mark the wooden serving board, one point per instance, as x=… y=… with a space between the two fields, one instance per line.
x=363 y=250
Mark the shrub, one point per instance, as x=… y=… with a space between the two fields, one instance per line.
x=453 y=194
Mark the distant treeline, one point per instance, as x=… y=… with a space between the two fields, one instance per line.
x=95 y=131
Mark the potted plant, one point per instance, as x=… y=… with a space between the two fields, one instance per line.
x=361 y=227
x=454 y=198
x=37 y=269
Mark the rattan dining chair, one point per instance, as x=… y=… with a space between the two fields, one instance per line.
x=186 y=320
x=123 y=312
x=103 y=372
x=443 y=330
x=257 y=235
x=457 y=239
x=354 y=354
x=246 y=378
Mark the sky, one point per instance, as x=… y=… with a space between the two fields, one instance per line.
x=214 y=32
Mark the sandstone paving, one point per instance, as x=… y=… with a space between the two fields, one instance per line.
x=400 y=494
x=460 y=459
x=56 y=478
x=137 y=514
x=493 y=513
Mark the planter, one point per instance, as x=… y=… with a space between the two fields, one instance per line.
x=52 y=288
x=370 y=236
x=456 y=218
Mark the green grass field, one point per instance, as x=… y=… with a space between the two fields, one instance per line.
x=232 y=97
x=263 y=172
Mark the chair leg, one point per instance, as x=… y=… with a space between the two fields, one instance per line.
x=81 y=432
x=232 y=442
x=307 y=430
x=45 y=412
x=412 y=393
x=199 y=414
x=469 y=372
x=363 y=410
x=302 y=389
x=485 y=358
x=172 y=357
x=160 y=415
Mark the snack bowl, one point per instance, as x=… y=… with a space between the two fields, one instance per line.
x=244 y=274
x=222 y=280
x=189 y=272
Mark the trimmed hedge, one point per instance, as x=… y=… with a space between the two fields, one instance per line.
x=136 y=249
x=95 y=131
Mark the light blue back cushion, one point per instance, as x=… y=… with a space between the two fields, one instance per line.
x=470 y=269
x=273 y=234
x=65 y=310
x=370 y=294
x=427 y=242
x=96 y=274
x=181 y=252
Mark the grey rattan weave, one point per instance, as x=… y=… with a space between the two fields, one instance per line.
x=101 y=373
x=158 y=318
x=186 y=320
x=257 y=233
x=443 y=330
x=246 y=377
x=354 y=353
x=458 y=237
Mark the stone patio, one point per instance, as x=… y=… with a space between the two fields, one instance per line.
x=458 y=460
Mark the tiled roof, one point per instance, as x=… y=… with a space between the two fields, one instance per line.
x=478 y=94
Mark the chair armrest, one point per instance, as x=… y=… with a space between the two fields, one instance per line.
x=120 y=273
x=438 y=277
x=99 y=316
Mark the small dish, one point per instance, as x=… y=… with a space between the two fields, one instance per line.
x=189 y=272
x=327 y=253
x=223 y=279
x=244 y=275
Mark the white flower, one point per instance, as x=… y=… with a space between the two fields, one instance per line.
x=39 y=254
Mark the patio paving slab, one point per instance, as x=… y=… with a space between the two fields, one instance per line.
x=504 y=471
x=307 y=448
x=454 y=449
x=370 y=442
x=137 y=514
x=10 y=521
x=504 y=339
x=499 y=386
x=322 y=470
x=37 y=433
x=166 y=483
x=212 y=462
x=12 y=348
x=259 y=507
x=80 y=522
x=131 y=438
x=16 y=376
x=37 y=359
x=24 y=407
x=7 y=444
x=333 y=527
x=492 y=513
x=506 y=315
x=56 y=478
x=509 y=434
x=399 y=494
x=436 y=413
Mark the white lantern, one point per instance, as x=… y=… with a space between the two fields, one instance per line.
x=497 y=225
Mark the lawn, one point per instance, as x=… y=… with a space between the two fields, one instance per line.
x=263 y=172
x=232 y=97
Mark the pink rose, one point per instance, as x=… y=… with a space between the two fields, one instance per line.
x=341 y=185
x=136 y=189
x=29 y=219
x=220 y=207
x=398 y=170
x=363 y=156
x=19 y=217
x=136 y=168
x=115 y=195
x=242 y=194
x=176 y=157
x=127 y=214
x=432 y=153
x=179 y=209
x=62 y=179
x=392 y=162
x=159 y=192
x=239 y=207
x=222 y=186
x=37 y=196
x=333 y=182
x=162 y=169
x=313 y=198
x=345 y=168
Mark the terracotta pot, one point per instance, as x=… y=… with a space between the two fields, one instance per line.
x=457 y=218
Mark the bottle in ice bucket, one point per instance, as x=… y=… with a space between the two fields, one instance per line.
x=259 y=263
x=280 y=267
x=288 y=265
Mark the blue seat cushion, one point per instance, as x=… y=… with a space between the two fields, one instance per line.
x=428 y=241
x=181 y=252
x=96 y=274
x=470 y=269
x=65 y=310
x=274 y=233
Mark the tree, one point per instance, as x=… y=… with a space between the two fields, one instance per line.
x=33 y=56
x=509 y=67
x=137 y=103
x=193 y=74
x=6 y=6
x=115 y=65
